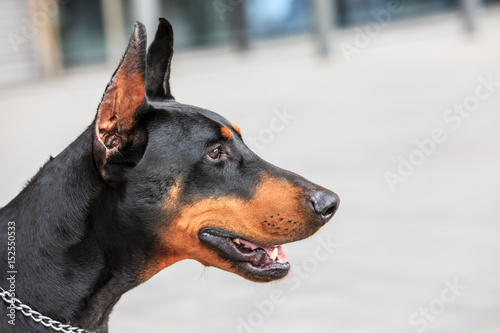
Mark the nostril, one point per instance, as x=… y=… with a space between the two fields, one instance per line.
x=325 y=204
x=330 y=211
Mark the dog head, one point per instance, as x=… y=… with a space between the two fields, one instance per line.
x=189 y=179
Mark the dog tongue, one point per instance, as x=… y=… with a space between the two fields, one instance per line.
x=281 y=256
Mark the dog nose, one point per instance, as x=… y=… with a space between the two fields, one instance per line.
x=325 y=204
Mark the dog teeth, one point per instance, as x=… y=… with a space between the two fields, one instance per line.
x=274 y=254
x=237 y=241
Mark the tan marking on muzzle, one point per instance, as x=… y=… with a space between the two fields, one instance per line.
x=276 y=214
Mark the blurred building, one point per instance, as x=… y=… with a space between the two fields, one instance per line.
x=43 y=37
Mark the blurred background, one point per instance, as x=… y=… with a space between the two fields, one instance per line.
x=391 y=104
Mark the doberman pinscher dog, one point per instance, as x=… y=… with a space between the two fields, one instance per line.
x=149 y=183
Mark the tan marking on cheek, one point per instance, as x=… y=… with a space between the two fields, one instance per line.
x=226 y=132
x=174 y=192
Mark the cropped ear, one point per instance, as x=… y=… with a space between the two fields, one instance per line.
x=158 y=62
x=116 y=141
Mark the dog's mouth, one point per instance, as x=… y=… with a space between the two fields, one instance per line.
x=252 y=261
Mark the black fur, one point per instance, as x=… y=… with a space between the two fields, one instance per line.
x=158 y=63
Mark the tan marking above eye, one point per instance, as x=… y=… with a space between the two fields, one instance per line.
x=226 y=132
x=236 y=129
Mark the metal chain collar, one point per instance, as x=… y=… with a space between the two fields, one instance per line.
x=37 y=316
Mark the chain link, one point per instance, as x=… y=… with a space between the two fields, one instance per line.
x=37 y=316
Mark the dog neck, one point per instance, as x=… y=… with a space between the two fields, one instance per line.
x=69 y=267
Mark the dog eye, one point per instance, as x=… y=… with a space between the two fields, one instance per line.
x=215 y=154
